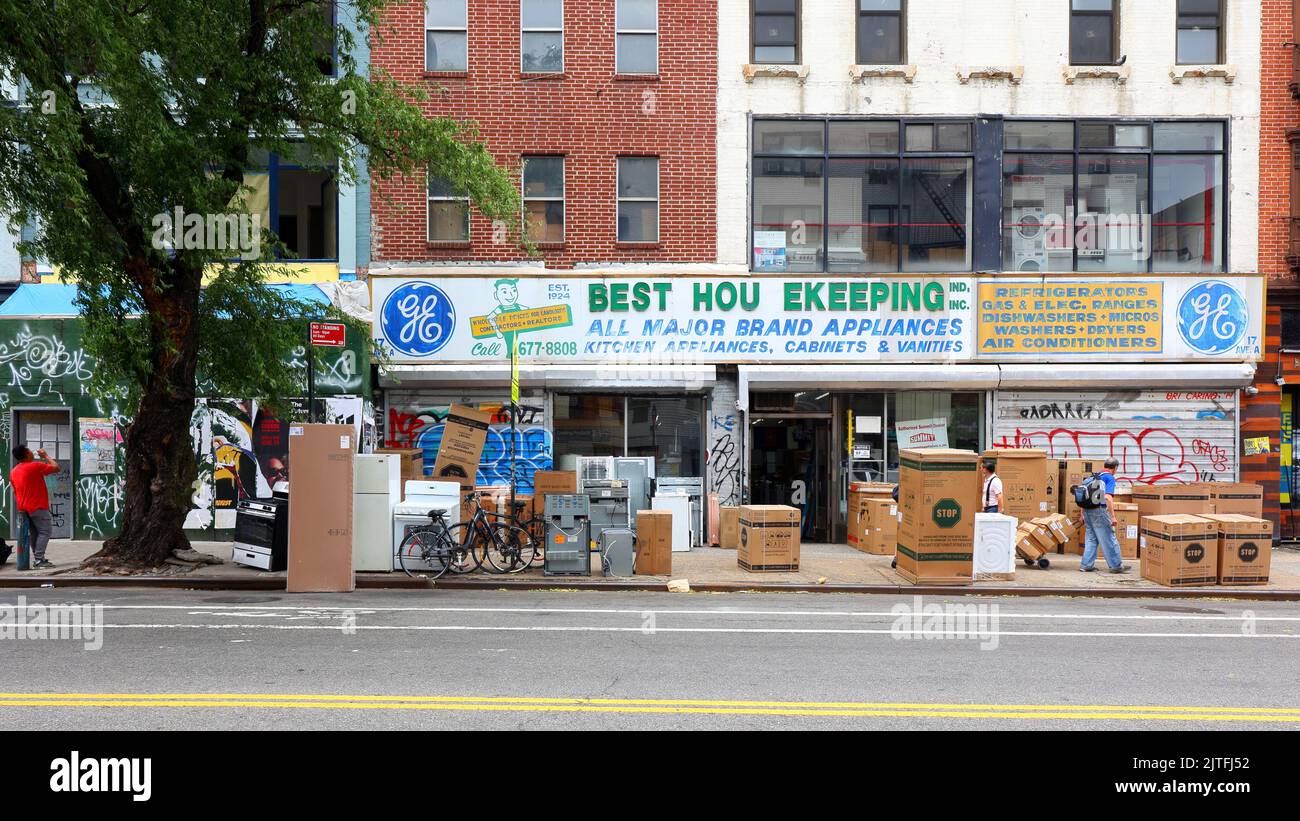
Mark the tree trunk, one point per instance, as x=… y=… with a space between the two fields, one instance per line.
x=160 y=466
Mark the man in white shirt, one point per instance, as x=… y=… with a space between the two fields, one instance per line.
x=992 y=497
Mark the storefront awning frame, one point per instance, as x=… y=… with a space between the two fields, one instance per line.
x=556 y=377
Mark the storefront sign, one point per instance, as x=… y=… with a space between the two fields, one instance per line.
x=922 y=434
x=1106 y=316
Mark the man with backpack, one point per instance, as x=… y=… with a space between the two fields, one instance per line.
x=1096 y=497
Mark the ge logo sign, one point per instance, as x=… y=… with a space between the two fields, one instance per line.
x=418 y=319
x=1212 y=317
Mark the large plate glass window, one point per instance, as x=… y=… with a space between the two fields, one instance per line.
x=446 y=46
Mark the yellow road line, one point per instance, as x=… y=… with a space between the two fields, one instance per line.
x=854 y=705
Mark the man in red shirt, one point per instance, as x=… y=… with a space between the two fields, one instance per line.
x=33 y=500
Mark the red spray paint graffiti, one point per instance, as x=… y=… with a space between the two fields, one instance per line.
x=1147 y=456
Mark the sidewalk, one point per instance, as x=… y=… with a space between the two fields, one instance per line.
x=837 y=568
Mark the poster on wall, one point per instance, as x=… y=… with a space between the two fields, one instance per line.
x=98 y=446
x=922 y=434
x=769 y=251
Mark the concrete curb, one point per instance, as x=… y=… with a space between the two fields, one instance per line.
x=383 y=581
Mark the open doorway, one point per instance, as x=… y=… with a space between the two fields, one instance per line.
x=51 y=430
x=790 y=465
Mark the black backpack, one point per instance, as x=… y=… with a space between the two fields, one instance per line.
x=1090 y=493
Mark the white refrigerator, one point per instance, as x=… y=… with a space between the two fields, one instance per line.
x=377 y=489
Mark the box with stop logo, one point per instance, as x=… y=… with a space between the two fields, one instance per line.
x=1245 y=548
x=1179 y=550
x=938 y=496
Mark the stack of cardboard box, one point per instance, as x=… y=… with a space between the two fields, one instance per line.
x=558 y=482
x=1028 y=482
x=938 y=499
x=769 y=538
x=873 y=517
x=412 y=462
x=1245 y=547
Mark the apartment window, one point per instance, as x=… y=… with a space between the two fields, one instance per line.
x=1094 y=28
x=638 y=199
x=1115 y=197
x=636 y=46
x=544 y=198
x=446 y=38
x=542 y=38
x=448 y=212
x=775 y=31
x=862 y=195
x=882 y=32
x=1200 y=32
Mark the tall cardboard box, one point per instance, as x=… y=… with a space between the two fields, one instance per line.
x=320 y=509
x=1245 y=548
x=729 y=534
x=1127 y=529
x=412 y=464
x=559 y=482
x=879 y=526
x=1244 y=498
x=1164 y=500
x=1179 y=550
x=1027 y=492
x=859 y=494
x=654 y=543
x=769 y=538
x=939 y=495
x=463 y=434
x=1070 y=472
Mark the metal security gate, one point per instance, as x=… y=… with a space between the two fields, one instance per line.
x=1157 y=436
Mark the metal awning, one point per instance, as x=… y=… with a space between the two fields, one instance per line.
x=870 y=377
x=1130 y=376
x=568 y=377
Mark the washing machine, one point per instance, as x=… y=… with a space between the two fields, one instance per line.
x=1028 y=238
x=422 y=497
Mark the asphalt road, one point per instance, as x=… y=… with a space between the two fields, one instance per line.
x=545 y=660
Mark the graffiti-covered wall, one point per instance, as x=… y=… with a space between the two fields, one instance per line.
x=413 y=421
x=1157 y=436
x=240 y=449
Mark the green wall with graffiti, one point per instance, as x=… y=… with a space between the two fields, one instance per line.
x=44 y=381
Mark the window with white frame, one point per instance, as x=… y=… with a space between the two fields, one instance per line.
x=636 y=47
x=448 y=212
x=544 y=198
x=541 y=44
x=638 y=199
x=446 y=35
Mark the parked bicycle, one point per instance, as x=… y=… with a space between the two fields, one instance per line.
x=435 y=548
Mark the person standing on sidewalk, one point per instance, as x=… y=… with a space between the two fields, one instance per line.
x=992 y=487
x=33 y=500
x=1100 y=522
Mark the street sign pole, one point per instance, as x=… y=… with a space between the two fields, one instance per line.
x=514 y=412
x=311 y=378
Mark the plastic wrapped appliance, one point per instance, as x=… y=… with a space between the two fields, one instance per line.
x=692 y=487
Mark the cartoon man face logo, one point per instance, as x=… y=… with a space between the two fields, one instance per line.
x=507 y=294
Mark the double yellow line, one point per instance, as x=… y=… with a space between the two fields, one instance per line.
x=803 y=709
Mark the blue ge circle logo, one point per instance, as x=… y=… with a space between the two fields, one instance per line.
x=1212 y=317
x=418 y=319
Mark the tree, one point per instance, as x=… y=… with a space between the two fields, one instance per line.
x=132 y=109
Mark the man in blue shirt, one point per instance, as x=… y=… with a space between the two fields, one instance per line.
x=1101 y=525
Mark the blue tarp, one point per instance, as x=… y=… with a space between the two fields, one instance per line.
x=54 y=299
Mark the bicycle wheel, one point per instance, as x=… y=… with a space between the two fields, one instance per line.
x=424 y=553
x=465 y=552
x=536 y=528
x=511 y=549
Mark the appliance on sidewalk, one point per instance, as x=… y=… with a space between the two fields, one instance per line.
x=262 y=531
x=422 y=496
x=692 y=487
x=609 y=504
x=617 y=551
x=376 y=488
x=639 y=473
x=678 y=504
x=593 y=468
x=568 y=535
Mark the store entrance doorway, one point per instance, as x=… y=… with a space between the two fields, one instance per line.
x=790 y=465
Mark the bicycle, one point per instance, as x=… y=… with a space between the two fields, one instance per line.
x=507 y=547
x=431 y=549
x=535 y=527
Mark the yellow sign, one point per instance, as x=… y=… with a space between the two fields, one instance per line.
x=514 y=374
x=1257 y=445
x=1071 y=317
x=521 y=321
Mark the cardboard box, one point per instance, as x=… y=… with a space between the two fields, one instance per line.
x=412 y=464
x=1245 y=548
x=1243 y=498
x=1167 y=500
x=939 y=495
x=1027 y=492
x=1070 y=472
x=859 y=494
x=729 y=537
x=320 y=509
x=463 y=434
x=1028 y=546
x=552 y=481
x=1126 y=531
x=769 y=538
x=1041 y=534
x=1057 y=527
x=654 y=543
x=1180 y=550
x=880 y=526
